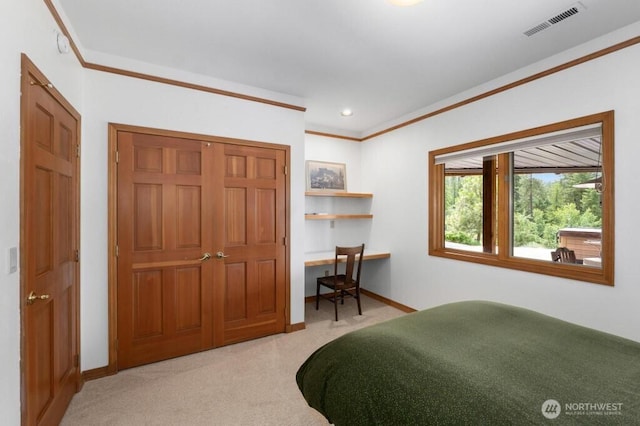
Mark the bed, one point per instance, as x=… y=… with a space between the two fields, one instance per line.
x=474 y=362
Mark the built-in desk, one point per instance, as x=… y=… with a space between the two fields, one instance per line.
x=327 y=257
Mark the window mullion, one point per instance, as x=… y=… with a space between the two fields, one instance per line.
x=489 y=204
x=504 y=208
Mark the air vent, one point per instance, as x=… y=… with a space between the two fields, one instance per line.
x=556 y=19
x=537 y=29
x=564 y=15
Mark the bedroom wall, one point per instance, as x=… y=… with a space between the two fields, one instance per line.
x=394 y=165
x=26 y=27
x=324 y=235
x=100 y=98
x=118 y=99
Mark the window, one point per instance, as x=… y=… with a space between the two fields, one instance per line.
x=512 y=201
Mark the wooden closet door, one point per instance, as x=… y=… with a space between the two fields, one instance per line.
x=178 y=200
x=250 y=293
x=164 y=235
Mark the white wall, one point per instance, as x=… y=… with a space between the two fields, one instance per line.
x=337 y=150
x=395 y=168
x=392 y=166
x=324 y=235
x=118 y=99
x=26 y=27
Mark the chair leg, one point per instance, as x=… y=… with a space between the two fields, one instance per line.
x=358 y=299
x=335 y=302
x=317 y=295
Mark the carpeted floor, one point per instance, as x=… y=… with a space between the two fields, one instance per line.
x=250 y=383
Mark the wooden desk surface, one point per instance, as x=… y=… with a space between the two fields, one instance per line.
x=326 y=257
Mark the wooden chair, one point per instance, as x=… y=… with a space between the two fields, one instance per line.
x=343 y=284
x=563 y=255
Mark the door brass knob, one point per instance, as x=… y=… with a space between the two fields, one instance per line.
x=221 y=255
x=33 y=297
x=205 y=256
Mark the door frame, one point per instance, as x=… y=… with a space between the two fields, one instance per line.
x=28 y=68
x=114 y=128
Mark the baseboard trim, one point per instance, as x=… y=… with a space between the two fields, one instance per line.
x=96 y=373
x=393 y=303
x=295 y=327
x=400 y=306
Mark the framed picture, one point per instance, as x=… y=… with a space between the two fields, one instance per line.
x=324 y=176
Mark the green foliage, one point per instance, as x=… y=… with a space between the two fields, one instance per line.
x=527 y=234
x=461 y=237
x=567 y=215
x=541 y=207
x=531 y=193
x=464 y=211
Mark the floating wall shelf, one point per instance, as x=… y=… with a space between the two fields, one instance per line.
x=337 y=216
x=338 y=194
x=331 y=216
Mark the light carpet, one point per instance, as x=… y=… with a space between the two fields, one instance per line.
x=250 y=383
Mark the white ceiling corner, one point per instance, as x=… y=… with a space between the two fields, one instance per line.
x=382 y=61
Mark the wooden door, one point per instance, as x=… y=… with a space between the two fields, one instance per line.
x=250 y=298
x=180 y=201
x=49 y=253
x=164 y=233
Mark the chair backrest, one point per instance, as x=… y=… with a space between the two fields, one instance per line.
x=350 y=253
x=563 y=255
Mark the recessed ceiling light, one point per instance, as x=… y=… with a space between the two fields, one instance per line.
x=346 y=112
x=404 y=2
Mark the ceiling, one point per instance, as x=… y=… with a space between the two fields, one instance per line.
x=382 y=61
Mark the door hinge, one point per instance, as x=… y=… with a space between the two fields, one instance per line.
x=76 y=360
x=117 y=157
x=284 y=170
x=76 y=255
x=285 y=241
x=78 y=150
x=117 y=251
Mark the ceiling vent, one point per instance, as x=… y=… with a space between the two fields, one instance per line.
x=556 y=19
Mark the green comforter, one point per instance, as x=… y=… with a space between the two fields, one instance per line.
x=475 y=363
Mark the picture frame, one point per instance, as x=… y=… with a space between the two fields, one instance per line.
x=326 y=176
